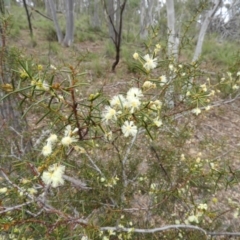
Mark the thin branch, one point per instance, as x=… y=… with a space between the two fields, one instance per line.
x=76 y=182
x=28 y=18
x=41 y=14
x=8 y=209
x=154 y=230
x=223 y=233
x=94 y=164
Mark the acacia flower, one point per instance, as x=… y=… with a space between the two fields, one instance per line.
x=53 y=67
x=128 y=128
x=54 y=175
x=171 y=67
x=204 y=87
x=193 y=219
x=207 y=108
x=150 y=62
x=202 y=206
x=118 y=101
x=196 y=111
x=148 y=85
x=32 y=191
x=157 y=122
x=47 y=150
x=23 y=73
x=136 y=56
x=68 y=139
x=108 y=136
x=45 y=86
x=133 y=103
x=52 y=138
x=157 y=49
x=134 y=92
x=155 y=105
x=235 y=87
x=3 y=190
x=163 y=80
x=109 y=114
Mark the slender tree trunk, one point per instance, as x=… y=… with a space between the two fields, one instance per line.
x=110 y=12
x=203 y=30
x=10 y=112
x=47 y=8
x=150 y=12
x=54 y=17
x=28 y=18
x=172 y=39
x=68 y=40
x=95 y=16
x=118 y=12
x=143 y=23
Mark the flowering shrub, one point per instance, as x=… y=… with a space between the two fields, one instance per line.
x=109 y=167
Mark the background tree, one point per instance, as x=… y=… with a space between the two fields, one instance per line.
x=115 y=27
x=172 y=37
x=28 y=17
x=204 y=26
x=55 y=21
x=69 y=36
x=146 y=17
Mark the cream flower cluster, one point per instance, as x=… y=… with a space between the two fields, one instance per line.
x=67 y=140
x=120 y=104
x=41 y=85
x=148 y=61
x=199 y=212
x=54 y=175
x=69 y=137
x=122 y=107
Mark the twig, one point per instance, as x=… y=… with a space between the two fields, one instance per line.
x=7 y=209
x=76 y=182
x=33 y=9
x=126 y=158
x=223 y=233
x=159 y=162
x=93 y=163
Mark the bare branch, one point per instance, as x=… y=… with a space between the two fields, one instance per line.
x=154 y=230
x=76 y=182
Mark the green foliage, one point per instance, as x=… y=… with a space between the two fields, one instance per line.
x=126 y=54
x=125 y=157
x=219 y=53
x=109 y=49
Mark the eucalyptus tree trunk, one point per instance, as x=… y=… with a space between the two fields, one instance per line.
x=146 y=17
x=143 y=24
x=54 y=17
x=203 y=30
x=150 y=14
x=9 y=114
x=69 y=36
x=172 y=39
x=11 y=119
x=47 y=8
x=95 y=16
